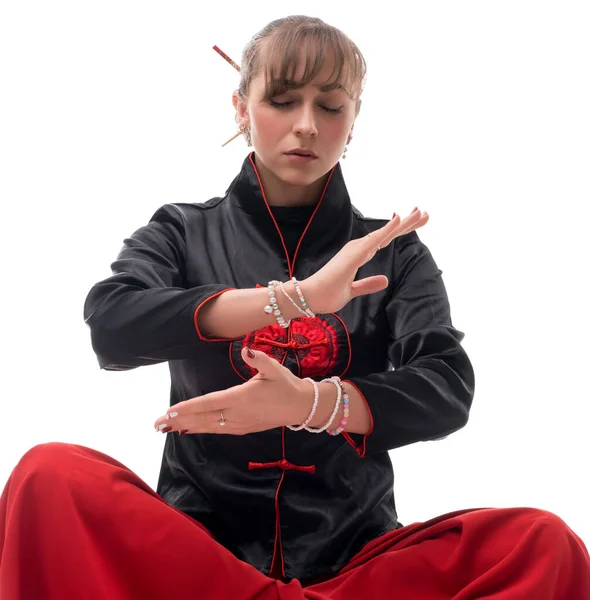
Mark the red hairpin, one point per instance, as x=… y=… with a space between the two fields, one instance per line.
x=224 y=55
x=237 y=68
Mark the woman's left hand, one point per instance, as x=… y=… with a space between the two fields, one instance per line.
x=274 y=397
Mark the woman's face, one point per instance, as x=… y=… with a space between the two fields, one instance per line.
x=303 y=118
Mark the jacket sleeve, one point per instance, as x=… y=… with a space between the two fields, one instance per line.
x=144 y=313
x=428 y=393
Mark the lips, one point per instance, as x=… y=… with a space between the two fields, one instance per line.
x=302 y=152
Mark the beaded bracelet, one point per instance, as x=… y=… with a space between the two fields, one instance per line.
x=346 y=401
x=273 y=307
x=316 y=396
x=307 y=310
x=282 y=286
x=334 y=412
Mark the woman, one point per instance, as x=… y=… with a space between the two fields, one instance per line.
x=280 y=310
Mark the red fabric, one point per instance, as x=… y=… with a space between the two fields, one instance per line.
x=314 y=341
x=76 y=524
x=319 y=345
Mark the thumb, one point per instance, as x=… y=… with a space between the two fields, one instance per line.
x=267 y=367
x=369 y=285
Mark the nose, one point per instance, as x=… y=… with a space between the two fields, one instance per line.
x=305 y=124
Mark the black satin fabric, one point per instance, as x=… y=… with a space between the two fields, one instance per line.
x=398 y=347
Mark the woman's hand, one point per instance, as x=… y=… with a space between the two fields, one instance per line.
x=274 y=397
x=333 y=286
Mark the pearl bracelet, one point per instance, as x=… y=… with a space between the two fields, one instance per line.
x=342 y=425
x=273 y=307
x=316 y=396
x=336 y=407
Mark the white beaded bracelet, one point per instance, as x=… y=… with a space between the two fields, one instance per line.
x=286 y=294
x=273 y=307
x=334 y=412
x=316 y=397
x=307 y=310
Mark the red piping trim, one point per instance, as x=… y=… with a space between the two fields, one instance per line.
x=290 y=266
x=278 y=530
x=312 y=216
x=363 y=449
x=195 y=319
x=270 y=212
x=348 y=342
x=231 y=362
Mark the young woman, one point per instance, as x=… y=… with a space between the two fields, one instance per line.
x=280 y=310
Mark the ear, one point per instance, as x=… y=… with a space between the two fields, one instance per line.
x=242 y=116
x=350 y=135
x=351 y=130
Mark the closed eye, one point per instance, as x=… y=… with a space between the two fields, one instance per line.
x=332 y=111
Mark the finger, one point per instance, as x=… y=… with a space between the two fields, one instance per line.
x=178 y=413
x=376 y=238
x=267 y=367
x=369 y=285
x=216 y=421
x=381 y=237
x=411 y=226
x=202 y=422
x=170 y=423
x=412 y=221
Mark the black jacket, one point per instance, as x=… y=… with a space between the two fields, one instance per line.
x=316 y=498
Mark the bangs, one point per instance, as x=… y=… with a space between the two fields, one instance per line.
x=282 y=55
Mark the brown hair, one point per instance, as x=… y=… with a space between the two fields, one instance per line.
x=283 y=38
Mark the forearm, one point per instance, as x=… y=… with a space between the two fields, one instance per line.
x=238 y=312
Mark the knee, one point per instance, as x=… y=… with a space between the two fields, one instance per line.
x=552 y=534
x=549 y=521
x=50 y=459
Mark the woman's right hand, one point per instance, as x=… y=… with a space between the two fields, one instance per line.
x=333 y=286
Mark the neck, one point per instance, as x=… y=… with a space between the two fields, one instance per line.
x=281 y=193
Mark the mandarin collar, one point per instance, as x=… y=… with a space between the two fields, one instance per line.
x=330 y=223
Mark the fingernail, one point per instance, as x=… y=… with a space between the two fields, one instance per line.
x=161 y=426
x=394 y=215
x=415 y=209
x=171 y=415
x=183 y=431
x=250 y=353
x=166 y=429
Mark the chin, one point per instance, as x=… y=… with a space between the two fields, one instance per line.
x=304 y=175
x=291 y=178
x=301 y=175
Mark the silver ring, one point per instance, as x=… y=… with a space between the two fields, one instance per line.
x=378 y=246
x=222 y=420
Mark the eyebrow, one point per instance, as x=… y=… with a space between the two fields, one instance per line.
x=322 y=88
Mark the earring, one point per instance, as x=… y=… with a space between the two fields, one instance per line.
x=346 y=147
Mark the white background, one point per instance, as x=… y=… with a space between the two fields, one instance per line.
x=474 y=111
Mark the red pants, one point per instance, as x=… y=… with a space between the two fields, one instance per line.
x=76 y=524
